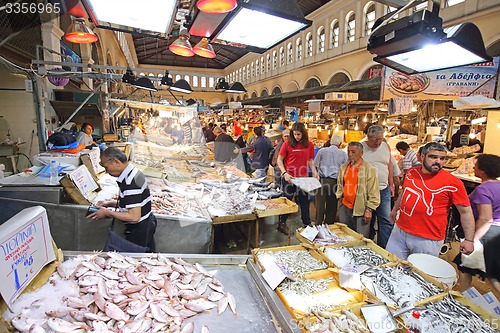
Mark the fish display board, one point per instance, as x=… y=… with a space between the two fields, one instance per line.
x=26 y=247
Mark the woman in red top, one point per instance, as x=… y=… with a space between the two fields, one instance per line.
x=294 y=160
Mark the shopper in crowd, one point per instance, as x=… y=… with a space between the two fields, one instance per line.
x=295 y=158
x=237 y=129
x=419 y=154
x=328 y=161
x=409 y=155
x=241 y=142
x=223 y=146
x=134 y=200
x=357 y=190
x=260 y=149
x=223 y=127
x=209 y=134
x=461 y=138
x=424 y=204
x=274 y=161
x=177 y=134
x=285 y=125
x=378 y=154
x=485 y=202
x=85 y=136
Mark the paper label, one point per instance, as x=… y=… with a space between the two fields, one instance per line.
x=309 y=233
x=244 y=187
x=25 y=248
x=83 y=180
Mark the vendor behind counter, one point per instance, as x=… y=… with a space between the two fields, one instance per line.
x=461 y=138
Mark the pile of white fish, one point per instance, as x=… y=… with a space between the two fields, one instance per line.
x=343 y=255
x=399 y=285
x=326 y=236
x=345 y=321
x=298 y=262
x=449 y=315
x=172 y=204
x=117 y=293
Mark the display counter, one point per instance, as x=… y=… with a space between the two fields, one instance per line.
x=72 y=231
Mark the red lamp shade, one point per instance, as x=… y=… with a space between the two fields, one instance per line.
x=181 y=46
x=204 y=49
x=216 y=6
x=79 y=33
x=58 y=81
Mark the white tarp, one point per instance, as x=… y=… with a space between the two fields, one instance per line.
x=475 y=102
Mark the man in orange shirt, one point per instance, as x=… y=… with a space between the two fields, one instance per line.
x=357 y=190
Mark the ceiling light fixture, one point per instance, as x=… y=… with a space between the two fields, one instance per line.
x=216 y=6
x=221 y=84
x=79 y=33
x=236 y=87
x=408 y=43
x=181 y=46
x=260 y=24
x=128 y=77
x=144 y=83
x=166 y=80
x=204 y=49
x=181 y=86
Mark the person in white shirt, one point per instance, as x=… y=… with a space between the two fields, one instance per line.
x=85 y=136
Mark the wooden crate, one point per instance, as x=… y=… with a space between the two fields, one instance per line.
x=351 y=296
x=73 y=191
x=339 y=229
x=425 y=276
x=312 y=252
x=488 y=317
x=233 y=218
x=289 y=207
x=368 y=243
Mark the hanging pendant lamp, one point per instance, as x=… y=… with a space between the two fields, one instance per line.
x=181 y=46
x=79 y=33
x=216 y=6
x=204 y=49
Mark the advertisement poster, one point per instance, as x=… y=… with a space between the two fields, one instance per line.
x=447 y=84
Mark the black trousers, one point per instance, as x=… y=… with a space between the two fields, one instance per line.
x=288 y=191
x=325 y=196
x=142 y=233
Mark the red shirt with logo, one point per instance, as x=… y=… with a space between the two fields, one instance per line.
x=296 y=159
x=426 y=201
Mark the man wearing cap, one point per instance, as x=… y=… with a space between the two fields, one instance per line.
x=328 y=161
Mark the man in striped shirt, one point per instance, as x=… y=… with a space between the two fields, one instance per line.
x=409 y=156
x=134 y=200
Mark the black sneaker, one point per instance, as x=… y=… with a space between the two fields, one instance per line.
x=283 y=228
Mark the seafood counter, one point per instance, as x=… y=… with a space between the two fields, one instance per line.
x=111 y=292
x=333 y=288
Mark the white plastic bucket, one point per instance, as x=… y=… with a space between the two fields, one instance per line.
x=435 y=267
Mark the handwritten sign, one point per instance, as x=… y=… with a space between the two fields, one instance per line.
x=83 y=180
x=95 y=158
x=25 y=248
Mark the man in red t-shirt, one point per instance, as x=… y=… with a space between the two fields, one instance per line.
x=424 y=204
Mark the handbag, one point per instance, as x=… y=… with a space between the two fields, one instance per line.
x=475 y=260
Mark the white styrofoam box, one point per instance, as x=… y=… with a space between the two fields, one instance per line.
x=25 y=248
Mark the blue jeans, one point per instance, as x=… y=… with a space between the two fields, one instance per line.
x=382 y=215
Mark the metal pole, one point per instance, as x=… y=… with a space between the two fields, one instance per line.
x=40 y=113
x=81 y=106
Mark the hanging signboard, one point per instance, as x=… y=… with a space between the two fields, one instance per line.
x=447 y=84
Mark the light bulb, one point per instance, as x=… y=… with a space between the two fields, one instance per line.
x=472 y=135
x=329 y=132
x=384 y=122
x=356 y=127
x=365 y=119
x=337 y=127
x=385 y=133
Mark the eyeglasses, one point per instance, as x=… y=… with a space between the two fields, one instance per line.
x=102 y=162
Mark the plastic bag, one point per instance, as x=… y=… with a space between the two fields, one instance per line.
x=475 y=260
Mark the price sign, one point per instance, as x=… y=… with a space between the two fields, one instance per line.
x=25 y=248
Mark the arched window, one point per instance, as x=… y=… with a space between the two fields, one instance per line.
x=390 y=9
x=248 y=72
x=254 y=94
x=311 y=83
x=178 y=77
x=252 y=70
x=268 y=62
x=263 y=93
x=203 y=82
x=369 y=18
x=276 y=91
x=244 y=74
x=290 y=53
x=299 y=49
x=257 y=67
x=195 y=81
x=241 y=75
x=334 y=34
x=309 y=45
x=282 y=56
x=275 y=59
x=350 y=27
x=186 y=77
x=321 y=40
x=262 y=65
x=211 y=82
